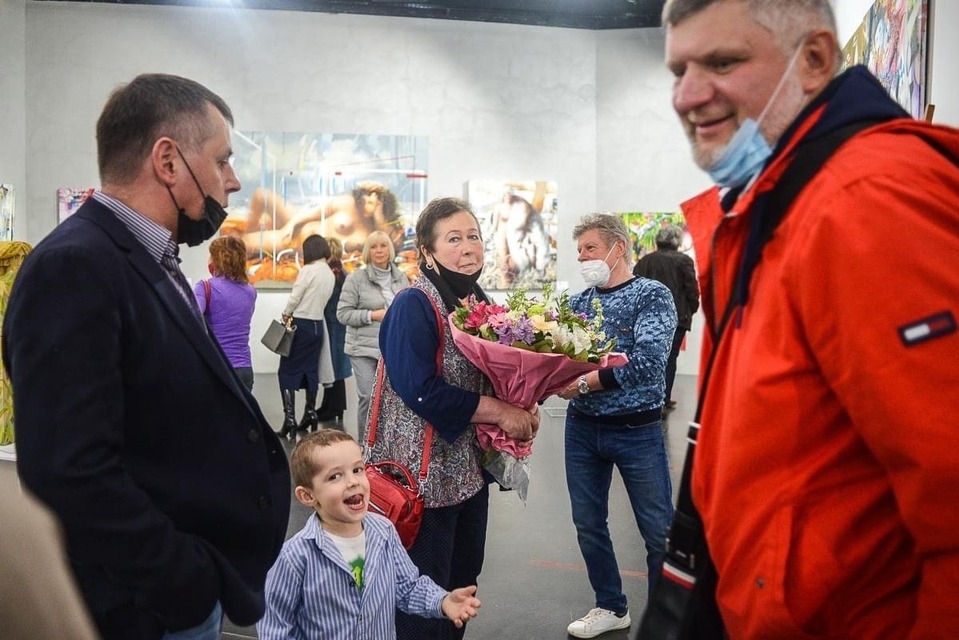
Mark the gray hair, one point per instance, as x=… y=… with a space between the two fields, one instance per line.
x=788 y=20
x=669 y=237
x=611 y=228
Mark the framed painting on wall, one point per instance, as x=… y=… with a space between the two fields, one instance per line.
x=892 y=42
x=340 y=186
x=7 y=203
x=644 y=225
x=518 y=219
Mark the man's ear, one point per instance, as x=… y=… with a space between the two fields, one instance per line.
x=305 y=497
x=818 y=60
x=163 y=157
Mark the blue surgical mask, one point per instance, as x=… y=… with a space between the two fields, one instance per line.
x=743 y=157
x=747 y=150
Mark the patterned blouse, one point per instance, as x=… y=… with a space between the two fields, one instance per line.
x=455 y=471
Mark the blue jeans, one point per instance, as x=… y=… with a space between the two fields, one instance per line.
x=209 y=629
x=592 y=449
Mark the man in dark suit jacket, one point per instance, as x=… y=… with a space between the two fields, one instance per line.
x=678 y=272
x=172 y=488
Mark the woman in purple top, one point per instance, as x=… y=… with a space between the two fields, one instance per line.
x=227 y=301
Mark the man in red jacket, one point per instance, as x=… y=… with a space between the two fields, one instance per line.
x=826 y=472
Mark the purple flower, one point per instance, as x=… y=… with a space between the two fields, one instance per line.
x=522 y=331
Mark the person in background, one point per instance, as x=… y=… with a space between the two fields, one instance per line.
x=825 y=471
x=345 y=574
x=334 y=397
x=416 y=397
x=301 y=369
x=367 y=294
x=677 y=271
x=227 y=300
x=614 y=418
x=172 y=489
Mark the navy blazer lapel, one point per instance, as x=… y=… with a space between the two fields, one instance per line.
x=194 y=328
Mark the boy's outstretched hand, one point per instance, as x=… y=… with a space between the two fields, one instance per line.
x=460 y=605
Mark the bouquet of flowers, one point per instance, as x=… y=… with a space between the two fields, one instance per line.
x=530 y=349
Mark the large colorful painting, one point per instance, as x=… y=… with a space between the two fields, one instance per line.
x=892 y=42
x=644 y=225
x=340 y=186
x=518 y=219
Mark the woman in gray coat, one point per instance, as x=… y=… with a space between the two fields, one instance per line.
x=366 y=294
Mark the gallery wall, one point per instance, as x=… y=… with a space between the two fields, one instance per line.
x=587 y=109
x=12 y=104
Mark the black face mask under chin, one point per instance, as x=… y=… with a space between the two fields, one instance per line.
x=461 y=284
x=194 y=232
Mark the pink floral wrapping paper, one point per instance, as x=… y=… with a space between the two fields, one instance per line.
x=522 y=378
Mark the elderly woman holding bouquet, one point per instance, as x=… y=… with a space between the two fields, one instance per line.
x=614 y=417
x=442 y=393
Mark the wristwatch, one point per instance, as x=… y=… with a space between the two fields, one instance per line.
x=582 y=386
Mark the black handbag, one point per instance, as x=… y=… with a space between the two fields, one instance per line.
x=279 y=337
x=683 y=604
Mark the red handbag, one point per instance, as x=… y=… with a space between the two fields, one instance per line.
x=394 y=492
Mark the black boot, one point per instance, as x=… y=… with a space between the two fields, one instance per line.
x=334 y=402
x=289 y=412
x=309 y=421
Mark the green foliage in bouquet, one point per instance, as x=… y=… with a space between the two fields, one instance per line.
x=543 y=324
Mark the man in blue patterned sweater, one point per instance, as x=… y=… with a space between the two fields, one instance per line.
x=614 y=417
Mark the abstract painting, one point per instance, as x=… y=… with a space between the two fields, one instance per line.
x=892 y=42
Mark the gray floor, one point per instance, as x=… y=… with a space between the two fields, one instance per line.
x=534 y=581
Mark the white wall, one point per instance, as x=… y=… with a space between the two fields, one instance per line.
x=13 y=108
x=496 y=101
x=589 y=109
x=644 y=158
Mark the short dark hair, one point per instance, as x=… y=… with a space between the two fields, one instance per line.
x=436 y=210
x=315 y=248
x=149 y=107
x=302 y=468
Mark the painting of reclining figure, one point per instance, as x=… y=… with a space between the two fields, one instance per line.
x=342 y=186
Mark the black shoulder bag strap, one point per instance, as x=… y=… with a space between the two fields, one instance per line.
x=683 y=604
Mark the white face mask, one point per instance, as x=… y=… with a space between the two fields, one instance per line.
x=595 y=273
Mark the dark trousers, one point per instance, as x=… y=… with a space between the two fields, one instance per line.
x=449 y=549
x=671 y=362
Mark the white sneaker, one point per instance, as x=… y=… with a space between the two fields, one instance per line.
x=597 y=621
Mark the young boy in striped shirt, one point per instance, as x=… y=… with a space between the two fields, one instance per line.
x=346 y=572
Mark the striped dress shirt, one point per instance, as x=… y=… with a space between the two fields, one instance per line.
x=311 y=594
